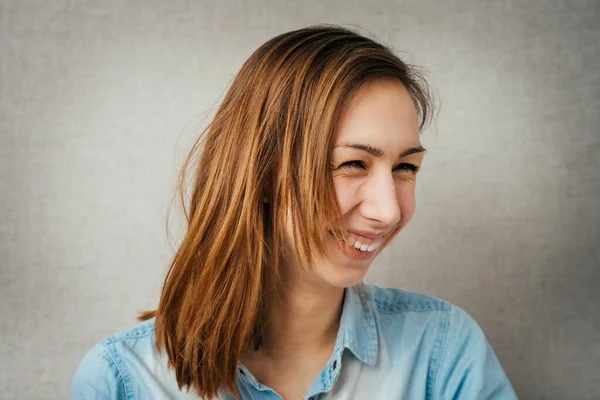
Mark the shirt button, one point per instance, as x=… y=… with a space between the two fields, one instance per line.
x=335 y=364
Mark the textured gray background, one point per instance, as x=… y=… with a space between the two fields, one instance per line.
x=100 y=100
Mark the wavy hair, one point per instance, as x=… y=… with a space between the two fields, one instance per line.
x=265 y=157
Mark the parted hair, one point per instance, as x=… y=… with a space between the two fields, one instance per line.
x=264 y=158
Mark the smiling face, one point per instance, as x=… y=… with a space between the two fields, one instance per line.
x=374 y=163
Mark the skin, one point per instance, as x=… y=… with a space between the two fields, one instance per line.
x=375 y=194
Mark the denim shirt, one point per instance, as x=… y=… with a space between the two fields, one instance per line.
x=391 y=344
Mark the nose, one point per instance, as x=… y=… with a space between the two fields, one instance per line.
x=380 y=200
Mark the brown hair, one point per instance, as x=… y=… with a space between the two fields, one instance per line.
x=265 y=156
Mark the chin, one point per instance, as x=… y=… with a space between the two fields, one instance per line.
x=347 y=266
x=345 y=271
x=342 y=278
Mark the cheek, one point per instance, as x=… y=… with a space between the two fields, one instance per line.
x=405 y=193
x=347 y=194
x=407 y=204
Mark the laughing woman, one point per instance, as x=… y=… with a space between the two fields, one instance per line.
x=306 y=173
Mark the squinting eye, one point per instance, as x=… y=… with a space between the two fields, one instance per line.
x=353 y=164
x=407 y=167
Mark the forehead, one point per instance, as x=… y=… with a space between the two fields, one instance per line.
x=381 y=113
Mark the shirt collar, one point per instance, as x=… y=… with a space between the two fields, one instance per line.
x=357 y=331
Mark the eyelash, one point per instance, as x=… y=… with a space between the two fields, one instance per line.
x=360 y=165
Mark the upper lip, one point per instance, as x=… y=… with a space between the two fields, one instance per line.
x=367 y=234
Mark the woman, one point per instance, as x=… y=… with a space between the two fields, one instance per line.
x=307 y=172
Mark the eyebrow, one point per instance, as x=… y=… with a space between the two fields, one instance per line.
x=377 y=152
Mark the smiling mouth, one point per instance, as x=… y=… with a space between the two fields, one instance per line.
x=364 y=247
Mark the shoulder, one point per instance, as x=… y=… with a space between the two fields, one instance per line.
x=104 y=372
x=393 y=300
x=461 y=362
x=446 y=321
x=399 y=301
x=132 y=334
x=401 y=314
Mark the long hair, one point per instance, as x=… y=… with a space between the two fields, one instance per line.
x=263 y=158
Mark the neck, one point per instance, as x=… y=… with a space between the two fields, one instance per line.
x=304 y=319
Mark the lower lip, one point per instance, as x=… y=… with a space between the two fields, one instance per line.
x=354 y=254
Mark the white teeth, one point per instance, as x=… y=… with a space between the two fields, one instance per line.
x=373 y=247
x=362 y=246
x=350 y=241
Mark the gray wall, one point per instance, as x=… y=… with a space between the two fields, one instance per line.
x=100 y=100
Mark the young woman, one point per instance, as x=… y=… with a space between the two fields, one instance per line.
x=307 y=172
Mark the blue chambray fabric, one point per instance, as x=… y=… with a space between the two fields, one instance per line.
x=391 y=344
